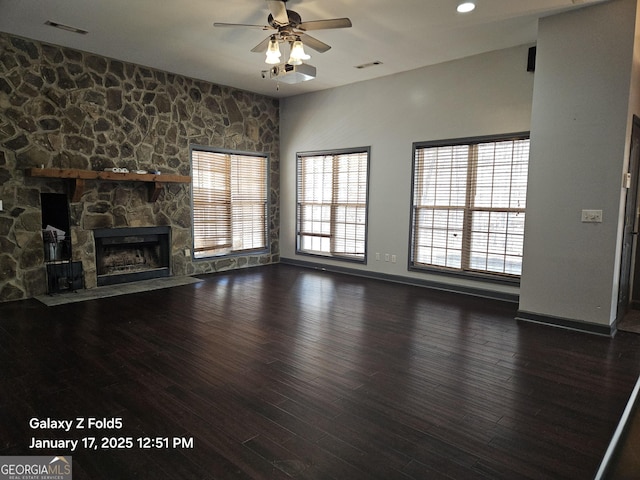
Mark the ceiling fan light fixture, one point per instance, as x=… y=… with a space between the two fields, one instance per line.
x=273 y=52
x=466 y=7
x=297 y=53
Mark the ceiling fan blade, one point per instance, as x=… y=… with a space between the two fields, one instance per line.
x=278 y=11
x=261 y=27
x=314 y=43
x=262 y=46
x=325 y=24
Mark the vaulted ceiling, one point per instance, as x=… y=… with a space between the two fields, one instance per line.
x=178 y=36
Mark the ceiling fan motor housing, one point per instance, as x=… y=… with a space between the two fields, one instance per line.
x=294 y=20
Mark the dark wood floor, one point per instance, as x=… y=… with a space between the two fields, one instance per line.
x=280 y=372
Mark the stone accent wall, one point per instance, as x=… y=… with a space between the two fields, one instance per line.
x=63 y=108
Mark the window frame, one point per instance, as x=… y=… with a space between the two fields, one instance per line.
x=298 y=233
x=267 y=204
x=463 y=271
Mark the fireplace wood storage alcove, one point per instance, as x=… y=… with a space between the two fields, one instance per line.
x=132 y=254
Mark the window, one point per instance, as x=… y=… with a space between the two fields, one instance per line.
x=332 y=203
x=468 y=205
x=229 y=202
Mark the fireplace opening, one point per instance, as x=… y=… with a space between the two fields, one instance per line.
x=132 y=254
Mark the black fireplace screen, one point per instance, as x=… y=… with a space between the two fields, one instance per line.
x=132 y=254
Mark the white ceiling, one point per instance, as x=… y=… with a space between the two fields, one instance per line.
x=178 y=36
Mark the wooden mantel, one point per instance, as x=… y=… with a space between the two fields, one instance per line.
x=77 y=178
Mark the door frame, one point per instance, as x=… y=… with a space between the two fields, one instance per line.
x=630 y=260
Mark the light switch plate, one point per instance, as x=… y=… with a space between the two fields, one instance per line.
x=592 y=216
x=1 y=205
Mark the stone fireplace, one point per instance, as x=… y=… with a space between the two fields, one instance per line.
x=62 y=108
x=132 y=254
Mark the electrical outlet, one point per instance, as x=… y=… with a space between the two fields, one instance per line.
x=1 y=206
x=393 y=259
x=386 y=257
x=592 y=216
x=187 y=252
x=378 y=256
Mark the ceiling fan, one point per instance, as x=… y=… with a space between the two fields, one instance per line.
x=289 y=28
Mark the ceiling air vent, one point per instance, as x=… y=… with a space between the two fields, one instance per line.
x=66 y=27
x=370 y=64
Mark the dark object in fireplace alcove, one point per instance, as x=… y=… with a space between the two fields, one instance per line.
x=55 y=211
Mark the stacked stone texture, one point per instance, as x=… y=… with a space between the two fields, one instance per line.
x=63 y=108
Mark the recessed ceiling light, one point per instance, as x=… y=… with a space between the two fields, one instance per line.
x=466 y=7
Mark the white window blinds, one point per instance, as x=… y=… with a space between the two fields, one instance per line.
x=469 y=206
x=332 y=203
x=229 y=202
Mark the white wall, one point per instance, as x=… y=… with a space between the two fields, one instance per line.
x=480 y=95
x=579 y=149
